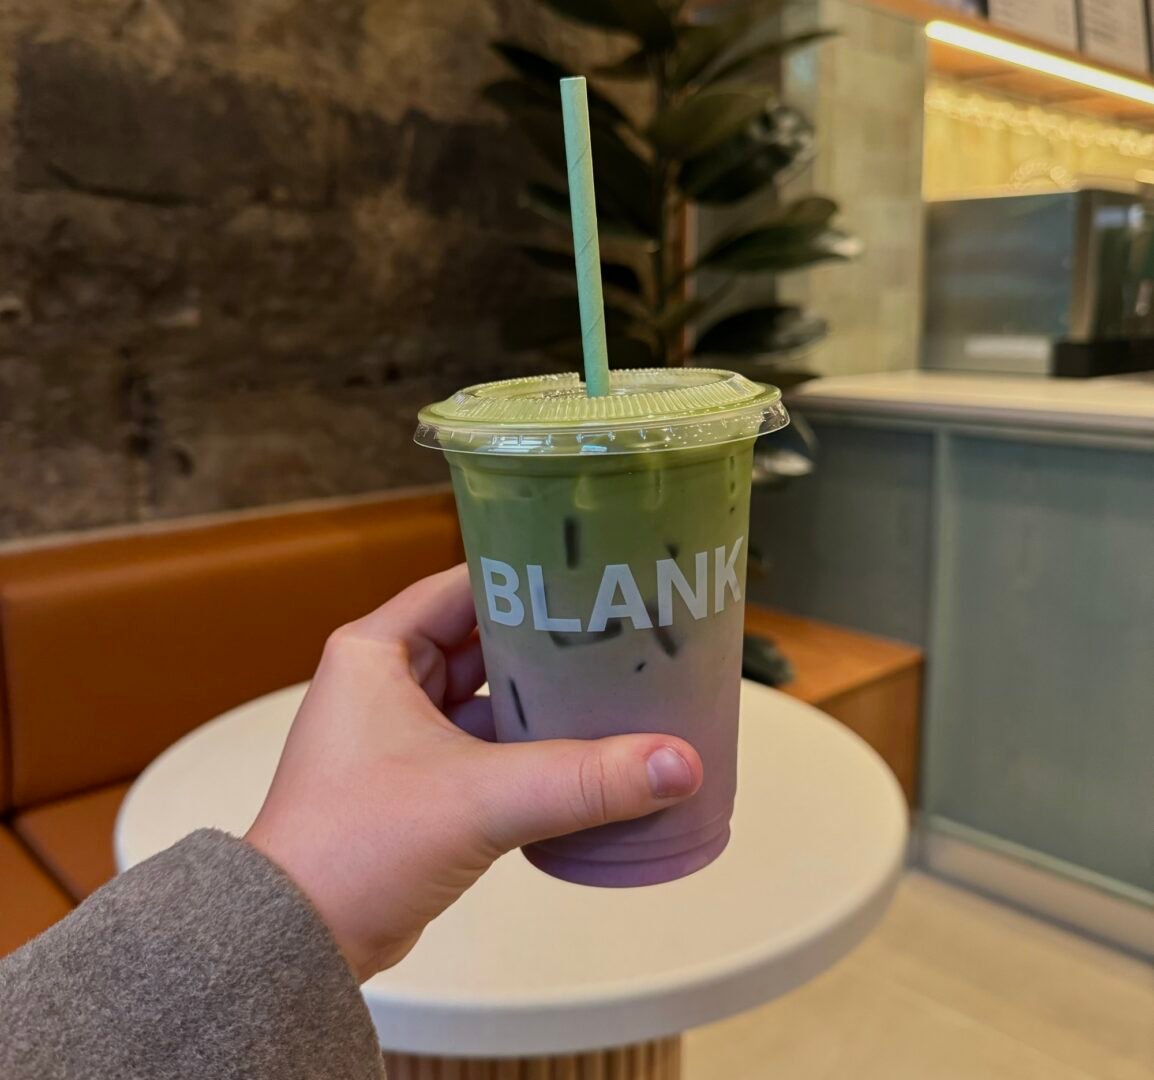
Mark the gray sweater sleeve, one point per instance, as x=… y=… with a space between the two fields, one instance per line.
x=204 y=962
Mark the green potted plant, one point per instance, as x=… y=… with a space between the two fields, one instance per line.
x=715 y=133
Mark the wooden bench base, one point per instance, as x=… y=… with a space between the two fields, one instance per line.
x=870 y=684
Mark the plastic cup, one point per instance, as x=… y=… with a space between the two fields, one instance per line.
x=606 y=539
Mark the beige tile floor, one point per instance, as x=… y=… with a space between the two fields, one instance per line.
x=951 y=986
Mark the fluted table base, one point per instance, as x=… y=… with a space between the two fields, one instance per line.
x=660 y=1060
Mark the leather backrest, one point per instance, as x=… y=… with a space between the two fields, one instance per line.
x=113 y=649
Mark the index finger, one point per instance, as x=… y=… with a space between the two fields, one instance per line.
x=438 y=609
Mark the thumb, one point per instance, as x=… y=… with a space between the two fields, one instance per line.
x=558 y=786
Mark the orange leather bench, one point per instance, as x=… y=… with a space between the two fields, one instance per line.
x=111 y=649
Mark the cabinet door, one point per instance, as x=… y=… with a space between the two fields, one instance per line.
x=850 y=544
x=1040 y=722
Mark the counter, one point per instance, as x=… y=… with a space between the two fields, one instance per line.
x=1006 y=526
x=1112 y=404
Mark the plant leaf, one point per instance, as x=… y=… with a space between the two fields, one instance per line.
x=633 y=66
x=537 y=119
x=787 y=379
x=749 y=160
x=778 y=249
x=810 y=210
x=625 y=351
x=644 y=19
x=553 y=320
x=613 y=274
x=626 y=184
x=553 y=205
x=797 y=436
x=771 y=50
x=784 y=455
x=549 y=202
x=546 y=73
x=510 y=94
x=678 y=314
x=532 y=65
x=795 y=236
x=631 y=352
x=758 y=330
x=792 y=223
x=699 y=46
x=696 y=125
x=804 y=432
x=720 y=181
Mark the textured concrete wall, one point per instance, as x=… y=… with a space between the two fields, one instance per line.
x=241 y=241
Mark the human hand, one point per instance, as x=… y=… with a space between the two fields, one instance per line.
x=389 y=802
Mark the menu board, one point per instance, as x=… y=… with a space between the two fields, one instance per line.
x=1053 y=21
x=1114 y=31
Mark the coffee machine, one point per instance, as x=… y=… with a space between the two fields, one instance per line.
x=1055 y=283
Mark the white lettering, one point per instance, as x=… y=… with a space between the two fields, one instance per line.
x=670 y=577
x=618 y=596
x=725 y=576
x=514 y=613
x=617 y=577
x=541 y=617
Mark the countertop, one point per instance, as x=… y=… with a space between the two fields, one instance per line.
x=1123 y=404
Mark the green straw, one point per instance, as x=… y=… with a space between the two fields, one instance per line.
x=583 y=208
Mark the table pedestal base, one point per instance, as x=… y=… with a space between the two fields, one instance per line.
x=660 y=1060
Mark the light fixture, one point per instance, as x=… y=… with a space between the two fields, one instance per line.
x=1036 y=60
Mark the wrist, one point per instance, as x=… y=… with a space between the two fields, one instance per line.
x=309 y=880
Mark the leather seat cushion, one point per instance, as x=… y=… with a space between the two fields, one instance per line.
x=114 y=649
x=73 y=838
x=30 y=901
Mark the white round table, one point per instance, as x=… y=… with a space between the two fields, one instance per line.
x=528 y=966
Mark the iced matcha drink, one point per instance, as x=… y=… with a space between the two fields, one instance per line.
x=606 y=540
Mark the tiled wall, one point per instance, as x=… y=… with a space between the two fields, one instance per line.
x=864 y=90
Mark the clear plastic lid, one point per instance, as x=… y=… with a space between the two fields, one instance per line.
x=645 y=410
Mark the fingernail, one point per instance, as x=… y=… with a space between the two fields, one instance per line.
x=669 y=774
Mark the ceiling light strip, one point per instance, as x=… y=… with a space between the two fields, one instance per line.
x=1036 y=60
